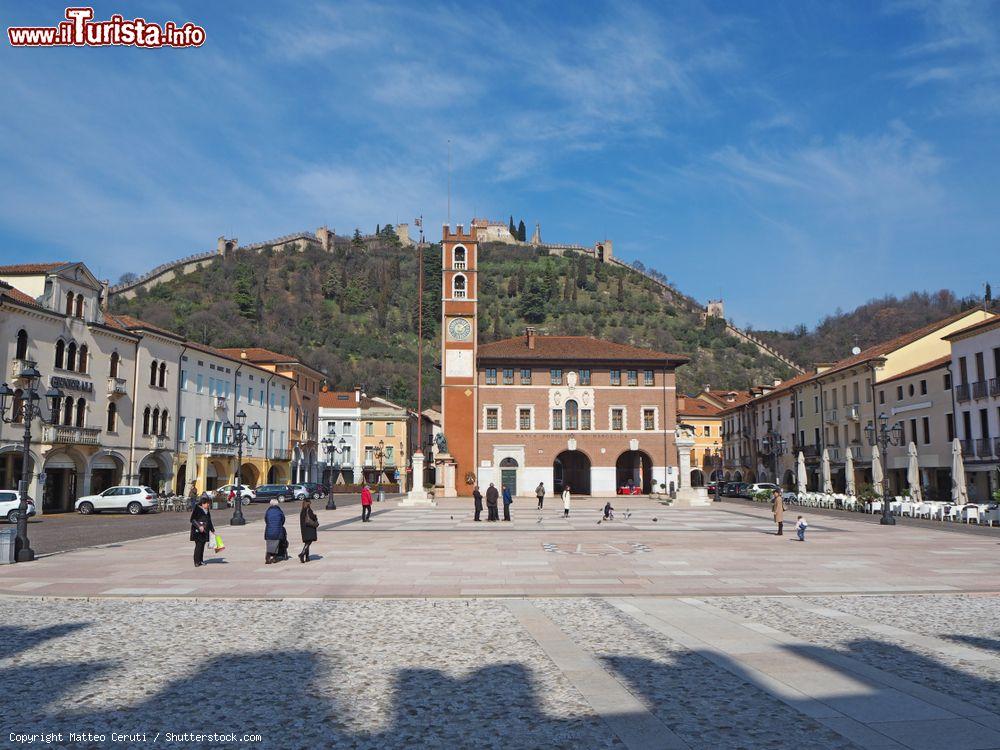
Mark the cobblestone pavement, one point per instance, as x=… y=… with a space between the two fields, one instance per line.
x=454 y=673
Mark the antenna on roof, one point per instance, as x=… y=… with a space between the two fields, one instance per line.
x=449 y=182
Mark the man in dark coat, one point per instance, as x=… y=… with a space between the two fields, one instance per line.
x=274 y=529
x=201 y=527
x=507 y=500
x=308 y=525
x=477 y=497
x=491 y=503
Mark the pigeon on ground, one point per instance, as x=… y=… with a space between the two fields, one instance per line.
x=452 y=517
x=599 y=523
x=654 y=520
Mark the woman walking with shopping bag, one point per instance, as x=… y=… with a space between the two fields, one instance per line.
x=202 y=530
x=308 y=525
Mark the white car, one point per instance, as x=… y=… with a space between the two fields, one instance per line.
x=301 y=491
x=753 y=489
x=134 y=500
x=247 y=494
x=10 y=503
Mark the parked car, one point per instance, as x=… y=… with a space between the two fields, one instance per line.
x=133 y=499
x=301 y=492
x=742 y=489
x=315 y=489
x=10 y=504
x=247 y=493
x=266 y=492
x=761 y=487
x=729 y=489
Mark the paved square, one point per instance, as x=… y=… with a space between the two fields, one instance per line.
x=699 y=629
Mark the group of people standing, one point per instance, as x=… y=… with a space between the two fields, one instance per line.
x=493 y=496
x=275 y=534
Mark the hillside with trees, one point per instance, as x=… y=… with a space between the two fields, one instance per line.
x=352 y=312
x=871 y=323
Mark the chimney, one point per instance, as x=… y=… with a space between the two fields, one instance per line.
x=707 y=387
x=529 y=337
x=357 y=394
x=243 y=353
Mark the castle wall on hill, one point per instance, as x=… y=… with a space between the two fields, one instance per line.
x=327 y=239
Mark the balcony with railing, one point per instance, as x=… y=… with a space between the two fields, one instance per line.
x=72 y=435
x=160 y=443
x=984 y=448
x=117 y=387
x=834 y=453
x=16 y=367
x=979 y=389
x=962 y=392
x=811 y=451
x=217 y=449
x=853 y=412
x=279 y=454
x=966 y=447
x=995 y=386
x=855 y=451
x=830 y=416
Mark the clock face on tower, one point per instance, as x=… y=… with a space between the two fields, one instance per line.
x=460 y=329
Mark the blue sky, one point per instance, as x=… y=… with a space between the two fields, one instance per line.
x=792 y=157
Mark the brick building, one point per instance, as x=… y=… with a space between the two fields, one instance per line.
x=554 y=409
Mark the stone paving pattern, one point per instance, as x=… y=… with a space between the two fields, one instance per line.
x=442 y=552
x=762 y=642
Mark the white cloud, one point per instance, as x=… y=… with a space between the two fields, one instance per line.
x=888 y=174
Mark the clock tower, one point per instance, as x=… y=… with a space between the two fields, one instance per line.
x=459 y=340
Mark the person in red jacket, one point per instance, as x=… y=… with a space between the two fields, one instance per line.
x=366 y=503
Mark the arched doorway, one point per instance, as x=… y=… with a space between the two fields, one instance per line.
x=762 y=476
x=571 y=468
x=508 y=474
x=215 y=475
x=635 y=467
x=249 y=475
x=728 y=477
x=716 y=475
x=738 y=476
x=154 y=471
x=62 y=472
x=105 y=471
x=276 y=475
x=697 y=478
x=10 y=467
x=180 y=485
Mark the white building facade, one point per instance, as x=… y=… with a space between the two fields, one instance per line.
x=975 y=373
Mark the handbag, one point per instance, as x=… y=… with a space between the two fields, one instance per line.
x=217 y=545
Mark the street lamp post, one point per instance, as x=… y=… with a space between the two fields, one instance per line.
x=776 y=446
x=718 y=463
x=883 y=435
x=238 y=436
x=27 y=410
x=380 y=455
x=332 y=448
